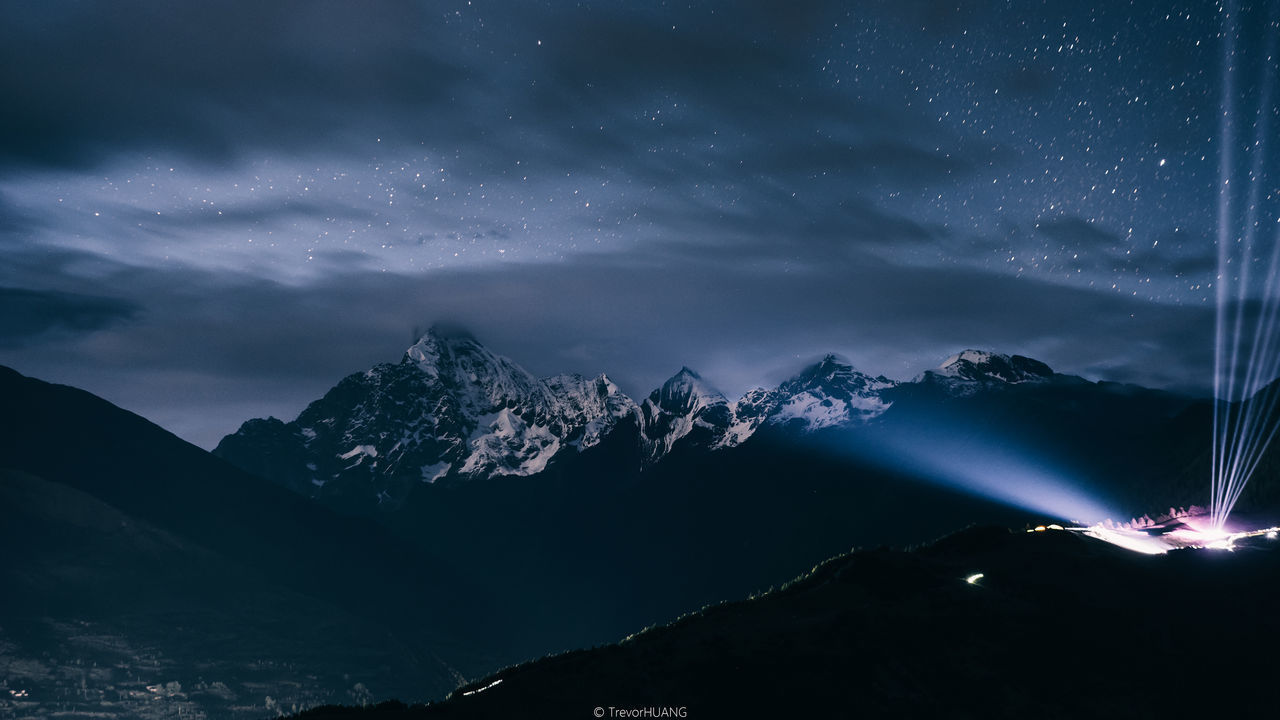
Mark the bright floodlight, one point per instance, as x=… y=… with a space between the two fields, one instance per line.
x=1198 y=532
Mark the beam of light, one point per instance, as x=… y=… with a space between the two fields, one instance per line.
x=974 y=578
x=1253 y=456
x=1244 y=402
x=1250 y=423
x=1224 y=258
x=990 y=468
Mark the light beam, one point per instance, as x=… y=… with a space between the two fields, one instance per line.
x=1244 y=403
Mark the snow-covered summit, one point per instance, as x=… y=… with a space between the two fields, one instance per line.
x=516 y=422
x=983 y=366
x=826 y=394
x=478 y=378
x=831 y=392
x=686 y=392
x=451 y=408
x=685 y=405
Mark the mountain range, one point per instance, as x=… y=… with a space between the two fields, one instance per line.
x=452 y=410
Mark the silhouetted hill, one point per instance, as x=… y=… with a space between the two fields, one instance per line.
x=1057 y=626
x=127 y=547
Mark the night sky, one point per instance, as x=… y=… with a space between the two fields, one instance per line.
x=214 y=211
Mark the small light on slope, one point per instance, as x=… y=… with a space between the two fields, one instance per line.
x=477 y=691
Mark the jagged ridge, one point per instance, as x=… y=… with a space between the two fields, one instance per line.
x=452 y=410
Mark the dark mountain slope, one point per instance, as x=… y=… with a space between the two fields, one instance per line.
x=99 y=606
x=263 y=571
x=594 y=552
x=1058 y=626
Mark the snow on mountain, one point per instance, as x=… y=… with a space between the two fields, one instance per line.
x=831 y=393
x=684 y=405
x=965 y=370
x=826 y=394
x=749 y=413
x=479 y=379
x=451 y=409
x=595 y=406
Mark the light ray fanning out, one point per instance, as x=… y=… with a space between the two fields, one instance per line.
x=1247 y=293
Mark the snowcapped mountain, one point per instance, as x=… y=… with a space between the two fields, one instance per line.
x=966 y=372
x=687 y=409
x=685 y=406
x=449 y=408
x=452 y=410
x=831 y=393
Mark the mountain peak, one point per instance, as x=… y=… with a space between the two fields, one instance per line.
x=832 y=368
x=685 y=393
x=442 y=341
x=686 y=376
x=830 y=365
x=986 y=366
x=970 y=356
x=831 y=392
x=684 y=405
x=426 y=354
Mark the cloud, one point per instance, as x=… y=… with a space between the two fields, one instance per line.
x=1077 y=232
x=85 y=82
x=30 y=315
x=242 y=346
x=595 y=86
x=886 y=161
x=236 y=217
x=16 y=222
x=1182 y=252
